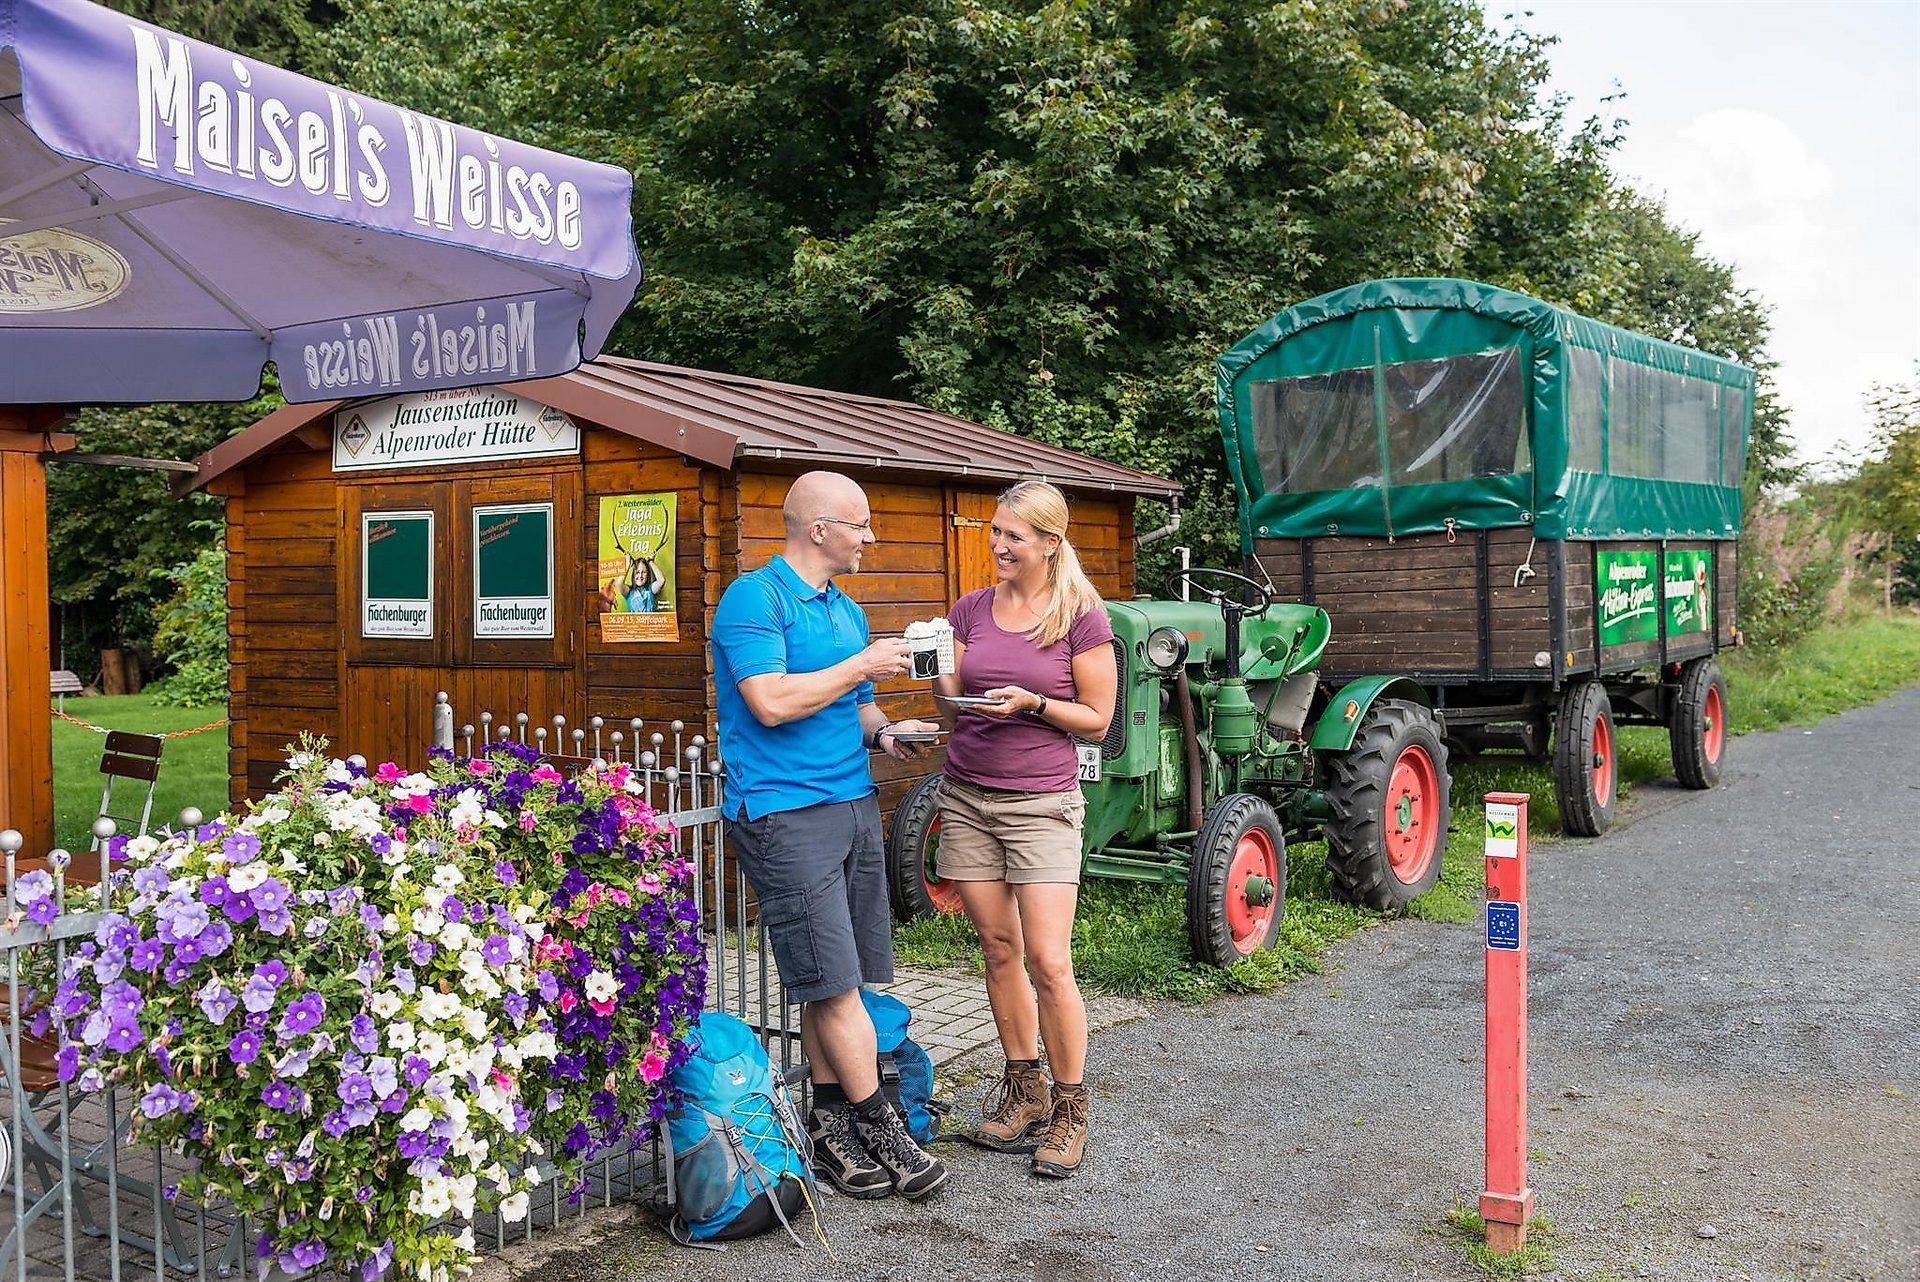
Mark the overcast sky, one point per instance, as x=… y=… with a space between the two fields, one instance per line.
x=1788 y=135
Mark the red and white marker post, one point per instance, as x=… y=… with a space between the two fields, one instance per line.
x=1507 y=1203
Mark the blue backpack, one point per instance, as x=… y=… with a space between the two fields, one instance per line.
x=906 y=1072
x=742 y=1162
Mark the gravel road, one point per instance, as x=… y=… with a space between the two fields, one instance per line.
x=1725 y=1076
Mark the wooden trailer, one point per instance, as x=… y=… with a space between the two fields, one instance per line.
x=558 y=546
x=1532 y=513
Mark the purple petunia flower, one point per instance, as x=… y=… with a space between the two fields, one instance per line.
x=418 y=1070
x=371 y=918
x=245 y=1047
x=122 y=1038
x=259 y=994
x=496 y=951
x=271 y=895
x=383 y=1076
x=151 y=881
x=239 y=847
x=412 y=1144
x=364 y=1033
x=507 y=874
x=355 y=1088
x=403 y=980
x=421 y=950
x=302 y=1256
x=146 y=955
x=283 y=1097
x=452 y=909
x=335 y=1123
x=380 y=1259
x=278 y=922
x=304 y=1014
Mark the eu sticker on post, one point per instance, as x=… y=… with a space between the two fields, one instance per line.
x=1503 y=830
x=1503 y=926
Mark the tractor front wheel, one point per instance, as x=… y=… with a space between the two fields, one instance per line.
x=1236 y=880
x=913 y=844
x=1389 y=800
x=1698 y=728
x=1586 y=760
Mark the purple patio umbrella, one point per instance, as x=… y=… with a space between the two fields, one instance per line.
x=173 y=216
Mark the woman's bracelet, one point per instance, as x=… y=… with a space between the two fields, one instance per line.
x=1041 y=711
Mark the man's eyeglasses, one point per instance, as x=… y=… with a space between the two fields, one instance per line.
x=865 y=527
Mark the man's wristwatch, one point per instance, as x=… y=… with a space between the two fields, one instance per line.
x=873 y=740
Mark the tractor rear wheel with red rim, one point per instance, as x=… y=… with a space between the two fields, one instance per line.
x=1586 y=760
x=914 y=884
x=1236 y=880
x=1389 y=802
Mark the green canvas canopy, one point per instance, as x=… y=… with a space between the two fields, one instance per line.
x=1407 y=406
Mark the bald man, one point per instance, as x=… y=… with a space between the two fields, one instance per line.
x=794 y=669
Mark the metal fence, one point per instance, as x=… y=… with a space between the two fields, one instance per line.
x=78 y=1203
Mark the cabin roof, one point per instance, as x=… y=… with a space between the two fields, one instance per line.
x=725 y=419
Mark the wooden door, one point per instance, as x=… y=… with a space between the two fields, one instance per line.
x=969 y=554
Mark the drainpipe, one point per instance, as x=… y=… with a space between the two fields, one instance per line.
x=1154 y=536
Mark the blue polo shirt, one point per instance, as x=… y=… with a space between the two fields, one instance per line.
x=772 y=620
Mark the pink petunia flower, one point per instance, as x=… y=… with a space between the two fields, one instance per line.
x=389 y=773
x=653 y=1066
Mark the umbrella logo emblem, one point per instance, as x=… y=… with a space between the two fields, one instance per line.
x=355 y=435
x=55 y=270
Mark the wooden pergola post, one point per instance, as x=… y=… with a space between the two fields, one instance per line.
x=27 y=438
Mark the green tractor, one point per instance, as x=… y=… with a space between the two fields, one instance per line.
x=1223 y=748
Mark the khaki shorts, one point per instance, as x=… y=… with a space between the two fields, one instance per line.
x=1022 y=838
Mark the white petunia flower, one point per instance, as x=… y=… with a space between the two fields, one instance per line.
x=385 y=1005
x=248 y=875
x=431 y=1047
x=427 y=923
x=474 y=1020
x=600 y=986
x=416 y=1119
x=448 y=877
x=400 y=1036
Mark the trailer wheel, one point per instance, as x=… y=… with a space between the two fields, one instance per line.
x=1698 y=728
x=1389 y=803
x=1236 y=880
x=1585 y=760
x=913 y=846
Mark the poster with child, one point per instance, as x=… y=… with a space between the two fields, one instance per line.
x=633 y=588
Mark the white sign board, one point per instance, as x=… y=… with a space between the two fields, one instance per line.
x=1503 y=830
x=464 y=425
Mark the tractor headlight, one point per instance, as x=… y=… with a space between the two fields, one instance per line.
x=1167 y=648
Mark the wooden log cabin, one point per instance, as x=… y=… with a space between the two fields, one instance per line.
x=378 y=556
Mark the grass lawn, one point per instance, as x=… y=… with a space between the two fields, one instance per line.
x=1132 y=939
x=193 y=769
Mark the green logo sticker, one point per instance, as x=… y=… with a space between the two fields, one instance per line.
x=1689 y=592
x=1628 y=602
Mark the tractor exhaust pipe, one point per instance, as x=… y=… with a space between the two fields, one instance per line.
x=1190 y=740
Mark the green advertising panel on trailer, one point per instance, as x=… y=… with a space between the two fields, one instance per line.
x=1409 y=406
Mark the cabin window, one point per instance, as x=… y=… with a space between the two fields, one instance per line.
x=1453 y=419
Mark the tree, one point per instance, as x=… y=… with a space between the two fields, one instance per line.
x=1889 y=481
x=1055 y=215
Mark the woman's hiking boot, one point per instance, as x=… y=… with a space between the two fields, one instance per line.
x=913 y=1173
x=840 y=1159
x=1059 y=1154
x=1016 y=1111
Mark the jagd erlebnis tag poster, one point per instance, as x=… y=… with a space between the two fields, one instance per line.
x=633 y=588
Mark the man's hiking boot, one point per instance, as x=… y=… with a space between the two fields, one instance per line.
x=914 y=1174
x=1065 y=1145
x=840 y=1159
x=1016 y=1111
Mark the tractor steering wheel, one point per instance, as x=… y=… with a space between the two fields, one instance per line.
x=1244 y=600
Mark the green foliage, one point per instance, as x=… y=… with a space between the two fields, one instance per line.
x=1889 y=481
x=1054 y=215
x=1835 y=668
x=192 y=632
x=274 y=31
x=116 y=534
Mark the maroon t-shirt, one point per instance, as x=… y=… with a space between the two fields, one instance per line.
x=1020 y=752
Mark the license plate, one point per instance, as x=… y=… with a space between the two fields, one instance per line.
x=1089 y=758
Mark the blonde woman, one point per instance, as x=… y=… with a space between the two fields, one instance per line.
x=1037 y=647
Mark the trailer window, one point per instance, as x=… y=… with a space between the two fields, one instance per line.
x=1446 y=420
x=1690 y=428
x=1456 y=419
x=1733 y=426
x=1316 y=432
x=1586 y=424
